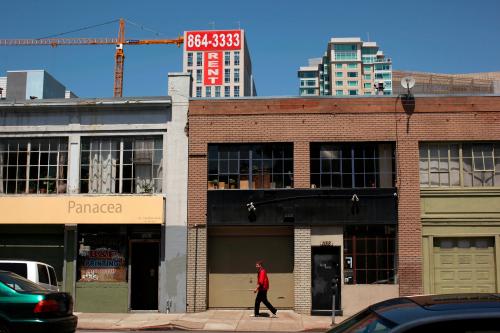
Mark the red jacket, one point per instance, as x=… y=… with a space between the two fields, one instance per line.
x=262 y=280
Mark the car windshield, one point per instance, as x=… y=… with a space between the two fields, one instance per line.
x=19 y=283
x=366 y=321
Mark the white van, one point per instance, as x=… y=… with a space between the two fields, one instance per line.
x=38 y=272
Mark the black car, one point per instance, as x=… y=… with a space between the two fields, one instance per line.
x=27 y=307
x=454 y=313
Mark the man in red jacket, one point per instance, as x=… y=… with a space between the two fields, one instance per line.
x=261 y=290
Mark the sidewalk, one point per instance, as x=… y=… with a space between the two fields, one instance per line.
x=211 y=320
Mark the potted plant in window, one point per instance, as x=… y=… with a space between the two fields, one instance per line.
x=213 y=184
x=232 y=183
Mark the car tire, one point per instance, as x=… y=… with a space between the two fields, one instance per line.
x=4 y=328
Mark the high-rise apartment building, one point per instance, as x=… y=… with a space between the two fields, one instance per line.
x=349 y=67
x=219 y=63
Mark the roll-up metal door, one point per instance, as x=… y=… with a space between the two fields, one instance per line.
x=232 y=273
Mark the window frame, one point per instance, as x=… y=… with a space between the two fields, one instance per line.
x=40 y=165
x=129 y=160
x=250 y=166
x=464 y=172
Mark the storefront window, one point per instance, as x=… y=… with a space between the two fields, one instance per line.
x=369 y=254
x=102 y=253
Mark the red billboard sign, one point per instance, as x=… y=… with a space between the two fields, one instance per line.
x=213 y=68
x=213 y=40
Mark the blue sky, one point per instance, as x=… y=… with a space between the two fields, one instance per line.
x=448 y=36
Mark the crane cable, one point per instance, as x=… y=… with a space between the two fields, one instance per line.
x=79 y=29
x=138 y=25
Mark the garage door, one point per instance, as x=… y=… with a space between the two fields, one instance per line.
x=464 y=265
x=232 y=274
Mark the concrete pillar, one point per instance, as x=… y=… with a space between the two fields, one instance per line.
x=73 y=186
x=302 y=269
x=70 y=256
x=172 y=287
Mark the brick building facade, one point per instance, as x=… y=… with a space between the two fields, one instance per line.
x=322 y=212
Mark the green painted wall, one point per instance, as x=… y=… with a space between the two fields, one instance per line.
x=101 y=297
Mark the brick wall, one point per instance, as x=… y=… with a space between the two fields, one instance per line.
x=305 y=120
x=197 y=269
x=302 y=270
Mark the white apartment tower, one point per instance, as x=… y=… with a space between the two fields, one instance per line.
x=219 y=63
x=349 y=67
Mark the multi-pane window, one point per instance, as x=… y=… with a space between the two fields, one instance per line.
x=338 y=74
x=199 y=59
x=208 y=91
x=353 y=83
x=338 y=66
x=459 y=164
x=236 y=75
x=198 y=91
x=121 y=165
x=352 y=65
x=339 y=92
x=353 y=92
x=382 y=67
x=352 y=74
x=198 y=75
x=367 y=68
x=190 y=59
x=252 y=166
x=370 y=254
x=227 y=58
x=236 y=91
x=236 y=58
x=367 y=85
x=368 y=76
x=227 y=75
x=33 y=165
x=227 y=91
x=217 y=91
x=352 y=165
x=345 y=52
x=339 y=83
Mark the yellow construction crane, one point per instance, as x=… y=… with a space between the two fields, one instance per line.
x=119 y=42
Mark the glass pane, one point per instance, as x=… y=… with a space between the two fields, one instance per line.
x=233 y=166
x=325 y=180
x=315 y=166
x=336 y=180
x=434 y=179
x=347 y=180
x=444 y=179
x=325 y=166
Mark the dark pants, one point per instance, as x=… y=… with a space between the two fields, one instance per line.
x=262 y=297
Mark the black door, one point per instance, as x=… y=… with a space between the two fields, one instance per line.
x=144 y=275
x=325 y=269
